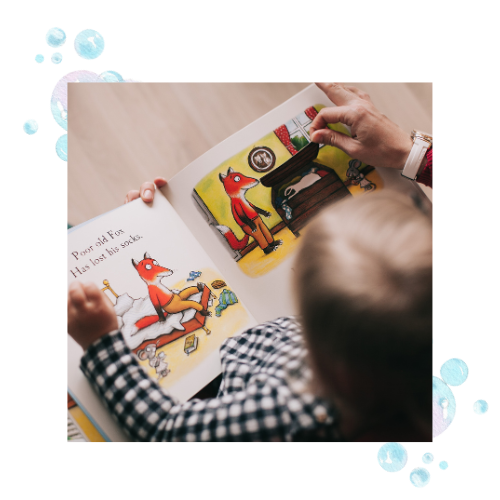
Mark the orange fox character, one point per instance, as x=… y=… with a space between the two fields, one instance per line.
x=164 y=299
x=246 y=214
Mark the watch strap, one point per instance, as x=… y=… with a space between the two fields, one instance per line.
x=414 y=162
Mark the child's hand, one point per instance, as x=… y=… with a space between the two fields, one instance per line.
x=90 y=314
x=147 y=190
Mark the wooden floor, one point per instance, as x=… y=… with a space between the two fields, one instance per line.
x=123 y=134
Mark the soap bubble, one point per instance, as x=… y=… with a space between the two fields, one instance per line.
x=62 y=147
x=480 y=406
x=428 y=458
x=30 y=127
x=454 y=372
x=443 y=465
x=55 y=37
x=443 y=406
x=56 y=58
x=420 y=477
x=59 y=100
x=392 y=457
x=111 y=77
x=39 y=58
x=89 y=44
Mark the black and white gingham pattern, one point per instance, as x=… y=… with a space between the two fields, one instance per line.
x=264 y=394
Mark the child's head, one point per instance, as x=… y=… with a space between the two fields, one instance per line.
x=364 y=282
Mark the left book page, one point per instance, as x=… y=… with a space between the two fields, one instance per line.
x=173 y=305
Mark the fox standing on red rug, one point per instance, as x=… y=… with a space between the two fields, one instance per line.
x=164 y=299
x=246 y=214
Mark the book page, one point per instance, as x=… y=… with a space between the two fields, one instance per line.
x=174 y=307
x=250 y=198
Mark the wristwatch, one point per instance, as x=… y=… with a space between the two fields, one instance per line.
x=414 y=164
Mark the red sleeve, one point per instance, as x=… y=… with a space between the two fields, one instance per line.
x=426 y=176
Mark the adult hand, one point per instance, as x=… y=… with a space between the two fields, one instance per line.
x=375 y=140
x=90 y=314
x=146 y=191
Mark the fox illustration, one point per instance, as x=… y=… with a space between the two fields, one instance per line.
x=163 y=299
x=246 y=214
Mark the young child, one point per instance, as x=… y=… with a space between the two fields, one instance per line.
x=356 y=367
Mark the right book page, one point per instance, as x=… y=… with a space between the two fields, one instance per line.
x=249 y=200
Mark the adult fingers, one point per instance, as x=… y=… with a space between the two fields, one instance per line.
x=341 y=114
x=336 y=92
x=147 y=192
x=132 y=195
x=360 y=93
x=336 y=139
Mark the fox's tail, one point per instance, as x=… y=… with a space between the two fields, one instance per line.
x=234 y=242
x=146 y=321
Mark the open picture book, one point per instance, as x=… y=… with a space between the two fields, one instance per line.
x=213 y=254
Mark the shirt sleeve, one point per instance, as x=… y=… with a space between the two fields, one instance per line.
x=261 y=412
x=426 y=176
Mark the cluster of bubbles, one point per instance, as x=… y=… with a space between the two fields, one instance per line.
x=59 y=99
x=89 y=44
x=55 y=37
x=394 y=457
x=453 y=373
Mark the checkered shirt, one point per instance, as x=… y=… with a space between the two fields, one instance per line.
x=264 y=394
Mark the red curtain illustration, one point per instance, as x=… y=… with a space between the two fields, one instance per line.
x=311 y=113
x=284 y=137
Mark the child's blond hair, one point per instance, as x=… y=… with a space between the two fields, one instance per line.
x=364 y=284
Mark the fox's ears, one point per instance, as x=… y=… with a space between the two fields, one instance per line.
x=146 y=256
x=222 y=176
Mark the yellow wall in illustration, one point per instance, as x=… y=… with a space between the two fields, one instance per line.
x=211 y=191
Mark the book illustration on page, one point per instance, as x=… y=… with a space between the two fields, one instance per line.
x=174 y=308
x=261 y=198
x=163 y=315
